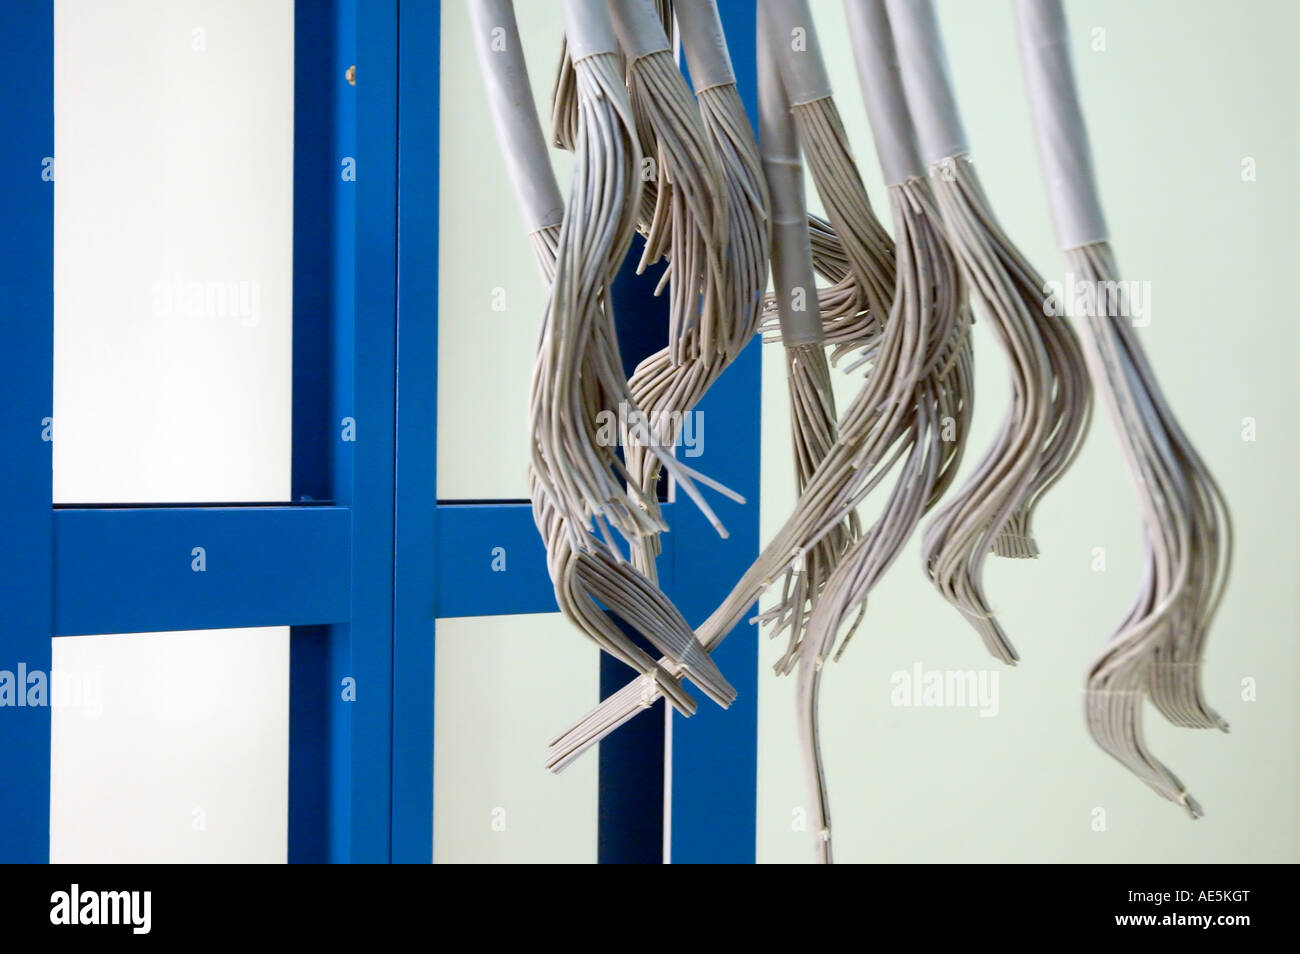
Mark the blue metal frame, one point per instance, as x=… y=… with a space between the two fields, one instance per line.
x=26 y=402
x=364 y=559
x=294 y=559
x=418 y=520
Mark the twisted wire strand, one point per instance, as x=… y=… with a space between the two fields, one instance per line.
x=921 y=376
x=1157 y=649
x=1071 y=390
x=682 y=220
x=814 y=429
x=1042 y=426
x=594 y=572
x=865 y=243
x=717 y=252
x=577 y=375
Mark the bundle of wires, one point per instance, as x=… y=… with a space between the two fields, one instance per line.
x=867 y=443
x=851 y=248
x=577 y=372
x=1156 y=650
x=744 y=187
x=1051 y=398
x=564 y=101
x=918 y=385
x=814 y=428
x=685 y=219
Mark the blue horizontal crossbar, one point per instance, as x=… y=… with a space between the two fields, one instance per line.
x=491 y=561
x=135 y=569
x=131 y=570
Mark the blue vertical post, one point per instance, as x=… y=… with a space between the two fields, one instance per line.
x=417 y=421
x=26 y=407
x=323 y=210
x=341 y=709
x=715 y=752
x=374 y=413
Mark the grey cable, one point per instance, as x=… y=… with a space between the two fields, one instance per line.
x=1156 y=650
x=1051 y=400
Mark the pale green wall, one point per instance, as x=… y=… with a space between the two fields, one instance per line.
x=1182 y=93
x=485 y=355
x=506 y=686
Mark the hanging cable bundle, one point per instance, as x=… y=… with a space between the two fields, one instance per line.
x=1051 y=400
x=700 y=155
x=564 y=100
x=814 y=428
x=873 y=435
x=732 y=137
x=680 y=215
x=669 y=383
x=920 y=378
x=578 y=469
x=583 y=568
x=1156 y=650
x=683 y=221
x=579 y=378
x=857 y=308
x=804 y=568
